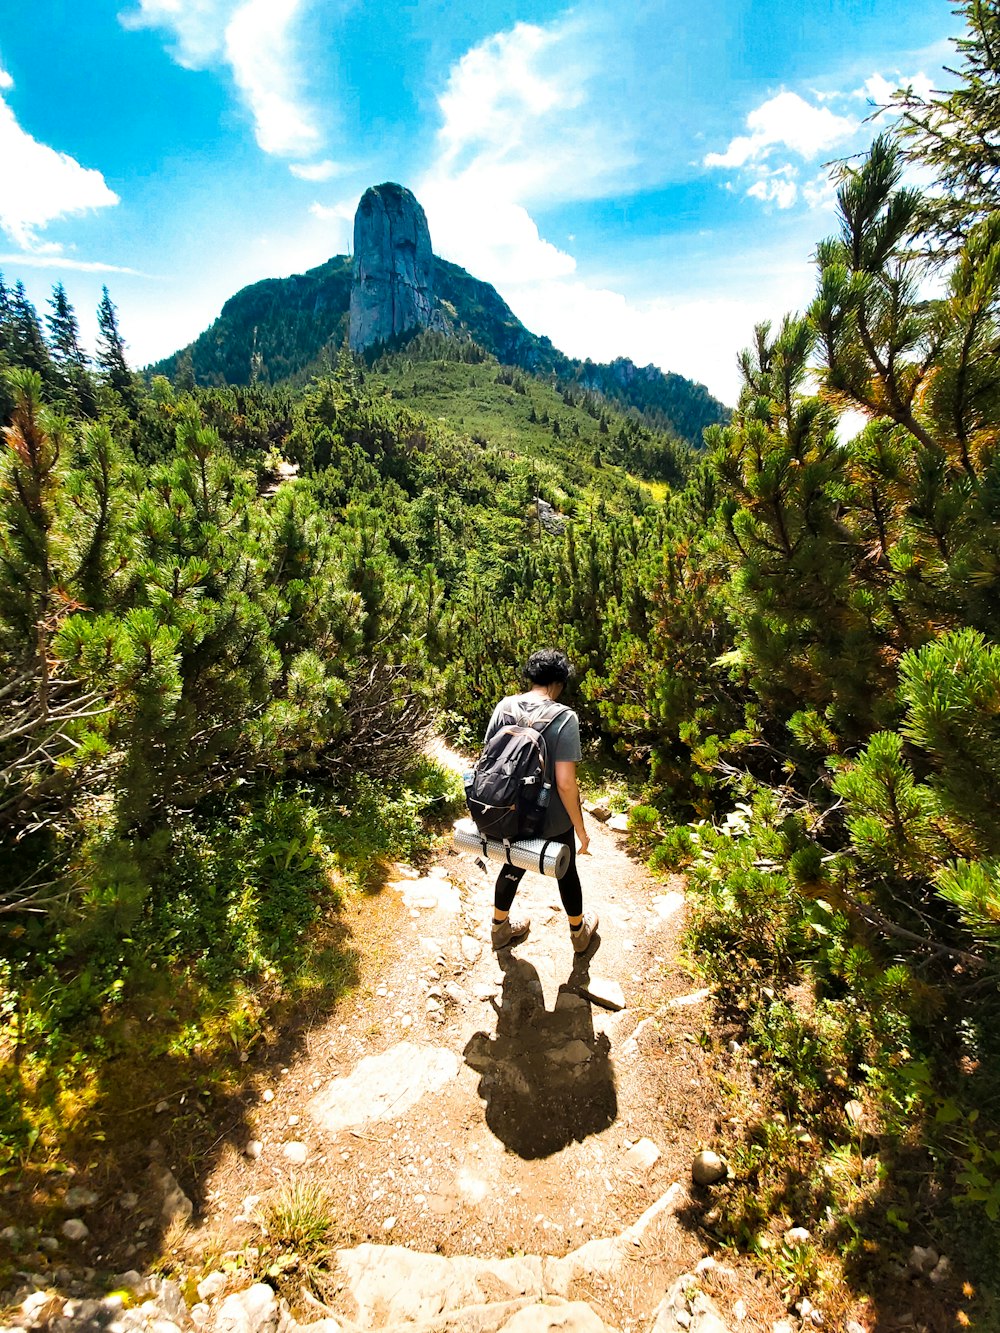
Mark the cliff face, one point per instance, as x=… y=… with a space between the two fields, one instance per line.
x=392 y=290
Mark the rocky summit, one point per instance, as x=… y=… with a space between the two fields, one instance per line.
x=392 y=287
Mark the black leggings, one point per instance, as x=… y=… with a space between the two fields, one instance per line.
x=570 y=888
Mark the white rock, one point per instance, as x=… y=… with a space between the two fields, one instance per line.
x=388 y=1224
x=642 y=1156
x=200 y=1314
x=35 y=1302
x=161 y=1107
x=455 y=993
x=253 y=1149
x=293 y=1120
x=295 y=1152
x=782 y=1326
x=471 y=949
x=618 y=823
x=798 y=1236
x=739 y=1311
x=267 y=1095
x=666 y=905
x=604 y=992
x=383 y=1086
x=254 y=1310
x=211 y=1285
x=696 y=997
x=75 y=1229
x=50 y=1245
x=852 y=1326
x=923 y=1260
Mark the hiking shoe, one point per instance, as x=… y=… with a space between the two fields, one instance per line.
x=511 y=931
x=581 y=938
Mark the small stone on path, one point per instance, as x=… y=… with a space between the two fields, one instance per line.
x=618 y=823
x=604 y=992
x=696 y=997
x=573 y=1053
x=75 y=1229
x=642 y=1156
x=254 y=1149
x=666 y=905
x=471 y=949
x=79 y=1197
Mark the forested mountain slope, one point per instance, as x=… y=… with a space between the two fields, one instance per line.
x=286 y=328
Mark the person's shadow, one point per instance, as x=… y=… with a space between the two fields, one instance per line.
x=546 y=1077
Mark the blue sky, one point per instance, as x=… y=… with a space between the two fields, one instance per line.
x=642 y=179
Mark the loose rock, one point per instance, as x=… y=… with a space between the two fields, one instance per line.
x=642 y=1156
x=606 y=993
x=75 y=1229
x=78 y=1197
x=708 y=1168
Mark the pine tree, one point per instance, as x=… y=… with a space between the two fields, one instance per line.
x=69 y=357
x=111 y=353
x=957 y=134
x=27 y=346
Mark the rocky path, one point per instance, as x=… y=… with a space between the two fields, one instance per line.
x=500 y=1133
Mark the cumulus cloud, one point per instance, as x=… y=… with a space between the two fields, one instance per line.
x=42 y=185
x=518 y=131
x=782 y=125
x=255 y=39
x=786 y=121
x=5 y=80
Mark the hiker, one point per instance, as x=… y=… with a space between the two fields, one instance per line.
x=547 y=670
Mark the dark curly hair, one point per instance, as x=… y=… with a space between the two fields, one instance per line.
x=546 y=666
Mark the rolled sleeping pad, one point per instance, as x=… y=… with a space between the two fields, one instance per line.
x=541 y=855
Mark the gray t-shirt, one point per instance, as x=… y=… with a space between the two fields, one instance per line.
x=562 y=740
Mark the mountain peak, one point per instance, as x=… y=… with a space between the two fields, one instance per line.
x=392 y=288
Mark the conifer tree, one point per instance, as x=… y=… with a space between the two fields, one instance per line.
x=957 y=133
x=67 y=354
x=27 y=346
x=111 y=353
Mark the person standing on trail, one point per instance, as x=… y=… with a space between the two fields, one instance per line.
x=547 y=672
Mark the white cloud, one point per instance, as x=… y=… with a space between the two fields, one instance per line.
x=254 y=38
x=6 y=81
x=518 y=132
x=50 y=260
x=49 y=185
x=787 y=121
x=775 y=190
x=515 y=119
x=879 y=90
x=315 y=171
x=342 y=212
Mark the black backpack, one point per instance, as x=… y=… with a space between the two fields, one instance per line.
x=508 y=794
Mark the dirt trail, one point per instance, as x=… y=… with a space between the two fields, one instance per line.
x=468 y=1102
